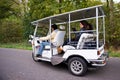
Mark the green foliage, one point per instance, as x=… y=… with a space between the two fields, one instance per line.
x=40 y=8
x=5 y=8
x=115 y=36
x=112 y=31
x=11 y=31
x=10 y=21
x=28 y=28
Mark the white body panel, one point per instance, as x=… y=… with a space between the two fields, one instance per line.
x=87 y=54
x=47 y=53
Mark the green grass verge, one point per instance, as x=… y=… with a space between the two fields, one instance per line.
x=22 y=45
x=114 y=53
x=27 y=46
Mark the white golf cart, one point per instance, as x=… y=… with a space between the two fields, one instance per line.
x=88 y=51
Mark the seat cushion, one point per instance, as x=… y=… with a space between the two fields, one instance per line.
x=47 y=47
x=67 y=47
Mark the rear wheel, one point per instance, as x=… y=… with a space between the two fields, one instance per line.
x=34 y=57
x=77 y=66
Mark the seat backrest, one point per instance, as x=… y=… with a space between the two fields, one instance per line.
x=85 y=37
x=59 y=38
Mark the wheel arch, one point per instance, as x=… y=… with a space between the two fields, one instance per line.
x=76 y=56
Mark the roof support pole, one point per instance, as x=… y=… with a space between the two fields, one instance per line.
x=69 y=29
x=97 y=40
x=104 y=28
x=50 y=23
x=34 y=36
x=35 y=29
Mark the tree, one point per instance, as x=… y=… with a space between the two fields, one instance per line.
x=109 y=20
x=11 y=28
x=5 y=8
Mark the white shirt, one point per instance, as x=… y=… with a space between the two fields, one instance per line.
x=50 y=36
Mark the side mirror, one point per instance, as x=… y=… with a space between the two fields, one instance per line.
x=31 y=36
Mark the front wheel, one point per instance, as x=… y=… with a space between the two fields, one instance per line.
x=34 y=57
x=77 y=66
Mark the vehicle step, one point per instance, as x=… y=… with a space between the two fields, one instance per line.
x=56 y=59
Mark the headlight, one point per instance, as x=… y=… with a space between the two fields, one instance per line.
x=30 y=41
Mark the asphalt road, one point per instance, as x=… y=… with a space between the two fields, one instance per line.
x=17 y=64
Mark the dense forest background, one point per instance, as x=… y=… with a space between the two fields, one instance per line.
x=16 y=15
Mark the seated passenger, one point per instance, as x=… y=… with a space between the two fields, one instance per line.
x=48 y=37
x=84 y=25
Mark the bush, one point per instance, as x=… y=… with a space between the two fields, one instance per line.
x=11 y=31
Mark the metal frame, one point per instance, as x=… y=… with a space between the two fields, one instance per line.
x=97 y=40
x=34 y=37
x=69 y=22
x=34 y=22
x=50 y=22
x=69 y=29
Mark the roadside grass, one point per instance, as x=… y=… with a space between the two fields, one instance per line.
x=21 y=45
x=114 y=53
x=27 y=46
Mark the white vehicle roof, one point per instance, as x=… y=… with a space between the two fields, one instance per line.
x=76 y=15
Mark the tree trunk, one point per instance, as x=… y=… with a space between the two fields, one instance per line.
x=107 y=3
x=60 y=1
x=111 y=7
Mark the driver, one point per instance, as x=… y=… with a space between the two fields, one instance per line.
x=48 y=37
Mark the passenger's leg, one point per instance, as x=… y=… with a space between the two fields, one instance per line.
x=42 y=46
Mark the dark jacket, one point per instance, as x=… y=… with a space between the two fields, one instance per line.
x=79 y=34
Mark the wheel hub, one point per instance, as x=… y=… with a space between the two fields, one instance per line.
x=76 y=66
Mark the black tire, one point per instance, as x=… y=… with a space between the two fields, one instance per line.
x=77 y=66
x=35 y=58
